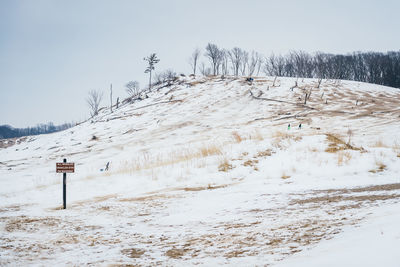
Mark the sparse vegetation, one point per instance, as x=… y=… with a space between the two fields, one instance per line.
x=336 y=144
x=93 y=100
x=380 y=167
x=279 y=137
x=225 y=166
x=251 y=163
x=343 y=157
x=265 y=153
x=237 y=137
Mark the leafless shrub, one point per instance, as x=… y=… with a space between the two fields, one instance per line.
x=133 y=89
x=93 y=100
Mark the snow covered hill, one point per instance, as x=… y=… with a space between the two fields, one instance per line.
x=207 y=171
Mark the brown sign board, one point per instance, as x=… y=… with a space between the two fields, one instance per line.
x=65 y=167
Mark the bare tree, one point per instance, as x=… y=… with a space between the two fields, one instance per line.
x=204 y=70
x=151 y=60
x=93 y=100
x=245 y=62
x=165 y=76
x=133 y=89
x=224 y=61
x=235 y=55
x=254 y=62
x=194 y=58
x=214 y=55
x=274 y=65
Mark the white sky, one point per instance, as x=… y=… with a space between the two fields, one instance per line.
x=53 y=52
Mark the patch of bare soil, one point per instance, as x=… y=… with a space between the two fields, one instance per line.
x=133 y=252
x=340 y=198
x=371 y=188
x=176 y=253
x=4 y=143
x=28 y=224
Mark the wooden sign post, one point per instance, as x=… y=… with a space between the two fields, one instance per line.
x=65 y=168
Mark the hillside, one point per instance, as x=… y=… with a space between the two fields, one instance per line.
x=206 y=171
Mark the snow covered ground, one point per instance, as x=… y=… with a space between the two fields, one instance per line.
x=206 y=171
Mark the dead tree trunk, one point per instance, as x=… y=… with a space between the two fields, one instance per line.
x=319 y=83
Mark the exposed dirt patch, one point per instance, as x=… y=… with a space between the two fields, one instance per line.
x=10 y=208
x=225 y=166
x=146 y=198
x=133 y=252
x=176 y=253
x=29 y=224
x=265 y=153
x=341 y=198
x=372 y=188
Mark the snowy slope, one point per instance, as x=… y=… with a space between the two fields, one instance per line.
x=206 y=171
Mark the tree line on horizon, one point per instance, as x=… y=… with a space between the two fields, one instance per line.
x=7 y=131
x=371 y=67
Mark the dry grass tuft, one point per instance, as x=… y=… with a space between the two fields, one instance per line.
x=133 y=252
x=197 y=82
x=251 y=163
x=176 y=253
x=396 y=149
x=380 y=167
x=279 y=137
x=237 y=137
x=265 y=153
x=336 y=143
x=225 y=166
x=284 y=176
x=146 y=161
x=210 y=151
x=379 y=143
x=343 y=157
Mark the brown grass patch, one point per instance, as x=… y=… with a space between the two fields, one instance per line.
x=148 y=162
x=145 y=198
x=284 y=176
x=225 y=166
x=210 y=151
x=237 y=137
x=343 y=157
x=133 y=252
x=196 y=82
x=265 y=153
x=29 y=224
x=379 y=143
x=201 y=188
x=341 y=198
x=236 y=253
x=336 y=144
x=176 y=253
x=279 y=137
x=380 y=168
x=251 y=163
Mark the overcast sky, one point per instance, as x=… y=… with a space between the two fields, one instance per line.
x=53 y=52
